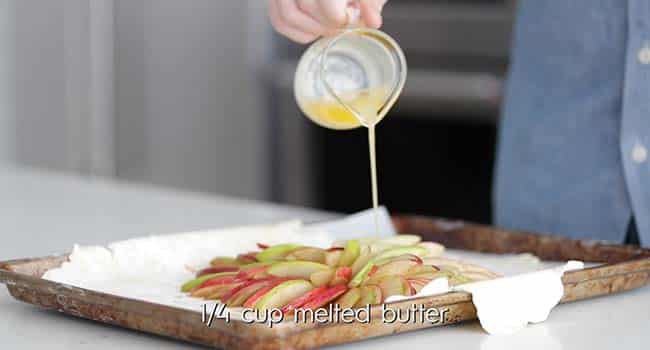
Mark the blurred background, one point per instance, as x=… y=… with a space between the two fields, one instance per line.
x=197 y=95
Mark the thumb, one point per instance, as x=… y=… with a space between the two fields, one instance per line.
x=371 y=12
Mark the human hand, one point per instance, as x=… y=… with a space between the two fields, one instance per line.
x=304 y=21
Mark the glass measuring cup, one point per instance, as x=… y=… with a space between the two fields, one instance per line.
x=351 y=79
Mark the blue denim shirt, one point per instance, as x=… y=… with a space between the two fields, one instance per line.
x=573 y=154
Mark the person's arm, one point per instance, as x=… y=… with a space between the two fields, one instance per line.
x=304 y=21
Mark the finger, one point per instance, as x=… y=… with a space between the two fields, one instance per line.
x=294 y=17
x=334 y=12
x=286 y=30
x=312 y=9
x=371 y=12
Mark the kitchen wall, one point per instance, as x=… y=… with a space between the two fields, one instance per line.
x=7 y=106
x=158 y=91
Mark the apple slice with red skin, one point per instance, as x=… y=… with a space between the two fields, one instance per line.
x=247 y=258
x=239 y=298
x=224 y=261
x=250 y=302
x=193 y=284
x=254 y=272
x=218 y=281
x=214 y=290
x=217 y=269
x=222 y=290
x=262 y=246
x=297 y=303
x=341 y=276
x=244 y=284
x=325 y=297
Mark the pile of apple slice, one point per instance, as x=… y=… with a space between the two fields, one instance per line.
x=351 y=273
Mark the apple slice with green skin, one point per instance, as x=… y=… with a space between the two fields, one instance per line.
x=296 y=269
x=239 y=297
x=349 y=299
x=332 y=257
x=370 y=295
x=325 y=297
x=217 y=281
x=364 y=256
x=322 y=278
x=350 y=253
x=217 y=269
x=300 y=301
x=188 y=286
x=307 y=254
x=276 y=252
x=283 y=294
x=394 y=285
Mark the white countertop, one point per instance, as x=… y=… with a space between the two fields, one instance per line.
x=44 y=213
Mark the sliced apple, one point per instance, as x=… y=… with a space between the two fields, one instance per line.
x=350 y=253
x=301 y=300
x=394 y=285
x=401 y=240
x=254 y=272
x=325 y=297
x=188 y=286
x=349 y=299
x=239 y=297
x=224 y=261
x=433 y=249
x=341 y=276
x=283 y=294
x=253 y=299
x=411 y=250
x=370 y=295
x=307 y=254
x=322 y=278
x=222 y=291
x=332 y=257
x=217 y=269
x=296 y=269
x=276 y=252
x=392 y=268
x=217 y=281
x=364 y=256
x=247 y=258
x=422 y=269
